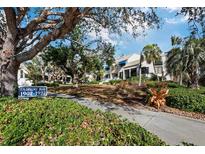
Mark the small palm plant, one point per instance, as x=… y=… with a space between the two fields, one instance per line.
x=157 y=95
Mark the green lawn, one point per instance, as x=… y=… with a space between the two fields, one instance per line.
x=64 y=122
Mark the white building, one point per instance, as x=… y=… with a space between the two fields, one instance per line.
x=22 y=76
x=128 y=66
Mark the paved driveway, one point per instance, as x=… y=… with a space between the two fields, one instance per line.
x=171 y=128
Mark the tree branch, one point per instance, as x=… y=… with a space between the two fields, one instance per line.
x=70 y=20
x=21 y=14
x=11 y=21
x=25 y=43
x=33 y=24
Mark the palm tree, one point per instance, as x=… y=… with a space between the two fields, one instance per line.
x=195 y=51
x=140 y=68
x=152 y=54
x=174 y=64
x=177 y=59
x=186 y=57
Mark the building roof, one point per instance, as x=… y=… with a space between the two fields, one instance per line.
x=132 y=63
x=122 y=58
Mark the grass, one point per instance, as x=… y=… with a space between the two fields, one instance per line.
x=64 y=122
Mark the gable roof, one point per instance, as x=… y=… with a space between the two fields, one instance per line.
x=132 y=63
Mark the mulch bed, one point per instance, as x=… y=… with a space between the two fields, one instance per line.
x=109 y=93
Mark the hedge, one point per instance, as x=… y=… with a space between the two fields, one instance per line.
x=187 y=101
x=170 y=84
x=114 y=82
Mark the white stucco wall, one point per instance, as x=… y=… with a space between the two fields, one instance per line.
x=22 y=80
x=136 y=57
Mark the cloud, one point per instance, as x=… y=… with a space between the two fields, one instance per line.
x=176 y=20
x=104 y=35
x=171 y=9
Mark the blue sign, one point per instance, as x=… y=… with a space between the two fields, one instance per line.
x=32 y=91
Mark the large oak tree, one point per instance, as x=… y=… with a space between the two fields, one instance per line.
x=26 y=31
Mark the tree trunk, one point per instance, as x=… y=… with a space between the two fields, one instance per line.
x=180 y=79
x=194 y=80
x=155 y=71
x=140 y=76
x=194 y=84
x=8 y=63
x=9 y=85
x=43 y=72
x=75 y=79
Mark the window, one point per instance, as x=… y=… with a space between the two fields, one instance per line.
x=158 y=70
x=121 y=75
x=145 y=70
x=107 y=68
x=133 y=72
x=126 y=74
x=21 y=74
x=26 y=75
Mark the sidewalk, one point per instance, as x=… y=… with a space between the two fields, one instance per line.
x=171 y=128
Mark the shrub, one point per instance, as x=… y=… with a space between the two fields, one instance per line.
x=153 y=77
x=94 y=82
x=151 y=84
x=157 y=85
x=133 y=78
x=64 y=122
x=170 y=84
x=187 y=101
x=114 y=82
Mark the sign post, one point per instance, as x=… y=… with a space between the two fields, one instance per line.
x=32 y=91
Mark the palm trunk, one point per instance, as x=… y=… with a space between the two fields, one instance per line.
x=181 y=79
x=194 y=80
x=140 y=76
x=140 y=70
x=155 y=72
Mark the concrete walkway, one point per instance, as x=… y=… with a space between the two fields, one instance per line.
x=171 y=128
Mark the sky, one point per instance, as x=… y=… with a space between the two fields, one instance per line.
x=172 y=25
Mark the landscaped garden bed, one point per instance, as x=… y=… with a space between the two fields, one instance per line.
x=64 y=122
x=135 y=96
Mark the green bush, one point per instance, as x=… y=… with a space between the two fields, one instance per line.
x=187 y=99
x=172 y=84
x=133 y=78
x=136 y=78
x=114 y=82
x=169 y=84
x=94 y=82
x=151 y=84
x=64 y=122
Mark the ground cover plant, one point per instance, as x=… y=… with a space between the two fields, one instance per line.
x=64 y=122
x=192 y=100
